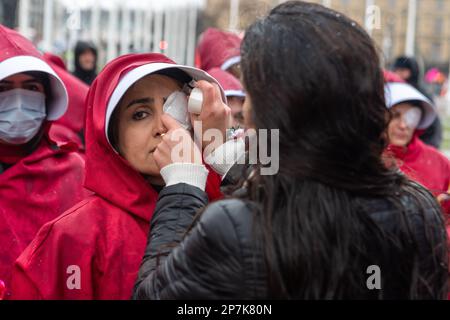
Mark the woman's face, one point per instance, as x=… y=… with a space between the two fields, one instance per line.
x=235 y=104
x=87 y=60
x=405 y=118
x=20 y=81
x=247 y=109
x=140 y=126
x=235 y=70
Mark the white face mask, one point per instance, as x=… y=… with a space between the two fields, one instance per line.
x=22 y=113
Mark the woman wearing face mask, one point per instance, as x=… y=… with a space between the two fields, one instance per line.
x=93 y=250
x=39 y=177
x=411 y=113
x=312 y=230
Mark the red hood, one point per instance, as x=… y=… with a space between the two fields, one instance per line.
x=55 y=60
x=17 y=54
x=107 y=173
x=77 y=90
x=217 y=47
x=230 y=84
x=14 y=44
x=390 y=76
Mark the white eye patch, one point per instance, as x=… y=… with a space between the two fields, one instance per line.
x=177 y=107
x=412 y=117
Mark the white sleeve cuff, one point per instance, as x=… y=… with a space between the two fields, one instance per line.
x=189 y=173
x=226 y=155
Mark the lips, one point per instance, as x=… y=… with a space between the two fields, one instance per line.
x=401 y=136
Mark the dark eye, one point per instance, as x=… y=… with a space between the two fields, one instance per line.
x=32 y=87
x=139 y=115
x=396 y=115
x=4 y=88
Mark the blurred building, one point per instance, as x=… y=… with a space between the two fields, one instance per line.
x=8 y=10
x=429 y=34
x=116 y=27
x=172 y=26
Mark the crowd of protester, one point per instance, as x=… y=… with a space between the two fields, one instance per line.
x=93 y=204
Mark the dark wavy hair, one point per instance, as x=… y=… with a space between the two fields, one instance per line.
x=315 y=75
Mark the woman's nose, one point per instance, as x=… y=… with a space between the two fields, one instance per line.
x=160 y=129
x=402 y=123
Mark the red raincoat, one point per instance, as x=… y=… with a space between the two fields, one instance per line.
x=216 y=47
x=94 y=250
x=34 y=191
x=423 y=164
x=35 y=188
x=73 y=119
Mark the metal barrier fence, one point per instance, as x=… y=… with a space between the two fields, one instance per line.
x=116 y=27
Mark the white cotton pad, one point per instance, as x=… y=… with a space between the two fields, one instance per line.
x=177 y=107
x=195 y=101
x=412 y=117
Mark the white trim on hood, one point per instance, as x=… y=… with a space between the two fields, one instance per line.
x=398 y=92
x=138 y=73
x=229 y=62
x=18 y=64
x=235 y=93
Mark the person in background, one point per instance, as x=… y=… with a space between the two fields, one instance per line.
x=40 y=177
x=105 y=235
x=234 y=92
x=311 y=229
x=408 y=69
x=219 y=49
x=411 y=113
x=85 y=62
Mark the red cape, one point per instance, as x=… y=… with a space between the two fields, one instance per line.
x=215 y=47
x=38 y=187
x=424 y=164
x=100 y=241
x=34 y=191
x=70 y=127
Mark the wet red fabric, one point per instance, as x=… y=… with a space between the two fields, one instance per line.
x=13 y=44
x=424 y=164
x=94 y=250
x=226 y=80
x=73 y=119
x=34 y=187
x=12 y=154
x=217 y=46
x=34 y=191
x=390 y=76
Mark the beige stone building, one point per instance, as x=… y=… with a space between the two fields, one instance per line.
x=432 y=31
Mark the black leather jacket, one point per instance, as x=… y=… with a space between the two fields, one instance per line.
x=218 y=260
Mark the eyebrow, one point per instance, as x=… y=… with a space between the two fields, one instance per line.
x=141 y=100
x=26 y=81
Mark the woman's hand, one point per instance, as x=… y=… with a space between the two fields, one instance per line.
x=176 y=146
x=215 y=114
